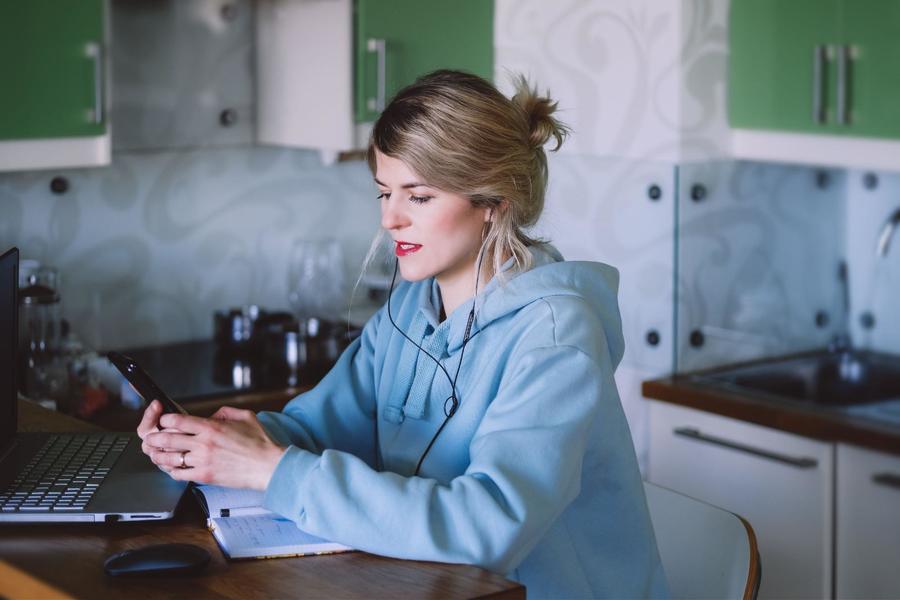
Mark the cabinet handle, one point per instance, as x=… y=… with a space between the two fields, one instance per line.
x=845 y=59
x=887 y=479
x=94 y=51
x=695 y=434
x=820 y=57
x=379 y=47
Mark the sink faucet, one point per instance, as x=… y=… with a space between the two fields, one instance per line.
x=840 y=342
x=887 y=232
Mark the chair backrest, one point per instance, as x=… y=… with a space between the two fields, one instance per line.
x=706 y=552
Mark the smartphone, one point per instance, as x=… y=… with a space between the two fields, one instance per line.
x=143 y=383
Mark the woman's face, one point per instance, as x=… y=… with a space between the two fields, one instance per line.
x=435 y=233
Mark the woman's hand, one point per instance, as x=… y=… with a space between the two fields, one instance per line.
x=150 y=424
x=231 y=448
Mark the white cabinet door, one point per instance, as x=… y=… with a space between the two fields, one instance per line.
x=304 y=74
x=868 y=524
x=781 y=483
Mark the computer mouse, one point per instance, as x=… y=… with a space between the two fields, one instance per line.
x=159 y=558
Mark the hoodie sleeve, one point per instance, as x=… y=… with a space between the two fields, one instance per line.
x=525 y=468
x=339 y=412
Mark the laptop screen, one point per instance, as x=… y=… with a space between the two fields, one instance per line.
x=9 y=340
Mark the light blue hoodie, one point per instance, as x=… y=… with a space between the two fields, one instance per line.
x=534 y=477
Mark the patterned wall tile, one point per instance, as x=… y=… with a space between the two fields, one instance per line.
x=149 y=247
x=642 y=79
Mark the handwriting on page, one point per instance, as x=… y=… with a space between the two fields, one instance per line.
x=265 y=532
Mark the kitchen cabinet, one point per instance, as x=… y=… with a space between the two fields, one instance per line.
x=782 y=64
x=822 y=67
x=397 y=41
x=53 y=66
x=781 y=483
x=871 y=29
x=364 y=52
x=867 y=524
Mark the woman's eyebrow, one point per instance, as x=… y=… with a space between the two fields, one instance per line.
x=405 y=186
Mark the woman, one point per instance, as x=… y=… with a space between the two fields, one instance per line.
x=476 y=418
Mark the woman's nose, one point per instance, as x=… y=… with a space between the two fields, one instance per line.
x=392 y=216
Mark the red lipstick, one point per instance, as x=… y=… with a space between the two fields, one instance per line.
x=404 y=248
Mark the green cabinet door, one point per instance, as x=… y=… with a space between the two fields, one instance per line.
x=871 y=32
x=47 y=71
x=415 y=37
x=781 y=72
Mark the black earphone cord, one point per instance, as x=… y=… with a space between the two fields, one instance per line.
x=453 y=399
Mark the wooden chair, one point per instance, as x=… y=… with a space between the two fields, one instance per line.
x=706 y=552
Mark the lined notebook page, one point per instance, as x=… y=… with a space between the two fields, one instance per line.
x=265 y=536
x=218 y=498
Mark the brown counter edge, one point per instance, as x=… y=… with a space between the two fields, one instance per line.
x=829 y=428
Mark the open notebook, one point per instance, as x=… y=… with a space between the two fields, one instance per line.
x=244 y=529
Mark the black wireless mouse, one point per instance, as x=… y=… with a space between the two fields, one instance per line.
x=160 y=558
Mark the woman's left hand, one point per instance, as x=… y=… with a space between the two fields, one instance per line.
x=231 y=449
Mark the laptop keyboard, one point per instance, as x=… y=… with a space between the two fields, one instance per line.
x=64 y=474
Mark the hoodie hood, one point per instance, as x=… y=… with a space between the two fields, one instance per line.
x=596 y=283
x=418 y=308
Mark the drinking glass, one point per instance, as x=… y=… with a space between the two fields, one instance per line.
x=316 y=279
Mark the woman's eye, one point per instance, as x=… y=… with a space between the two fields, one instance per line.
x=419 y=199
x=382 y=196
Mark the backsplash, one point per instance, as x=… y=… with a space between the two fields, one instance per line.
x=149 y=247
x=874 y=280
x=758 y=252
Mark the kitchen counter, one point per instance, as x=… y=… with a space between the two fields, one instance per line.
x=201 y=378
x=827 y=423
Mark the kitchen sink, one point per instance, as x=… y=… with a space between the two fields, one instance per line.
x=828 y=378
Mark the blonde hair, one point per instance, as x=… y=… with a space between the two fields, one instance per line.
x=461 y=135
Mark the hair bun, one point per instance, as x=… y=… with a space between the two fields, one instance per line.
x=542 y=125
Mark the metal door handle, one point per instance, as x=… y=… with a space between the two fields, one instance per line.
x=887 y=479
x=379 y=47
x=844 y=62
x=95 y=51
x=820 y=58
x=695 y=434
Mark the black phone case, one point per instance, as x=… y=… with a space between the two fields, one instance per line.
x=143 y=383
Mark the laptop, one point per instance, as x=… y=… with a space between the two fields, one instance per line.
x=93 y=477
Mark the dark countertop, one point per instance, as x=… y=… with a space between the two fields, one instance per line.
x=197 y=370
x=201 y=378
x=828 y=423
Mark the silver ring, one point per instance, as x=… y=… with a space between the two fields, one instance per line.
x=182 y=465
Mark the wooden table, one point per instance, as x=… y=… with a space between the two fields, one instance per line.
x=69 y=557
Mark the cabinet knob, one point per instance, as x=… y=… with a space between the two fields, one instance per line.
x=867 y=320
x=228 y=117
x=697 y=338
x=59 y=185
x=698 y=192
x=653 y=337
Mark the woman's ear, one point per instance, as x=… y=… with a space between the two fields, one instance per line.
x=489 y=213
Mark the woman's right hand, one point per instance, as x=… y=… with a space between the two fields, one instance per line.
x=150 y=424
